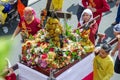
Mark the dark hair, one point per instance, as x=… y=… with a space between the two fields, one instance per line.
x=106 y=47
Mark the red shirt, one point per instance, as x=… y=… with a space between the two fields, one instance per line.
x=93 y=30
x=32 y=28
x=100 y=5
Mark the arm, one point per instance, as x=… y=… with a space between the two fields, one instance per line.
x=17 y=30
x=85 y=3
x=94 y=28
x=96 y=51
x=117 y=2
x=114 y=50
x=109 y=71
x=105 y=7
x=116 y=47
x=39 y=25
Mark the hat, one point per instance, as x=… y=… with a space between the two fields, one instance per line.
x=116 y=28
x=106 y=47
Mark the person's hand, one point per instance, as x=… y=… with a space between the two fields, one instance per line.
x=93 y=10
x=12 y=38
x=118 y=37
x=89 y=7
x=96 y=51
x=92 y=23
x=10 y=71
x=117 y=2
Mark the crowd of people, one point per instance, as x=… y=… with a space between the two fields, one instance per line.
x=103 y=66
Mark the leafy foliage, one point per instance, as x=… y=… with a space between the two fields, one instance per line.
x=5 y=46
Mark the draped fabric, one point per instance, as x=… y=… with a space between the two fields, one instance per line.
x=20 y=8
x=77 y=72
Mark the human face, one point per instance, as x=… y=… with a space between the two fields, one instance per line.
x=103 y=54
x=86 y=17
x=28 y=17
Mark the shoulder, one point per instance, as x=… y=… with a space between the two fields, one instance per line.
x=22 y=20
x=109 y=60
x=96 y=57
x=37 y=19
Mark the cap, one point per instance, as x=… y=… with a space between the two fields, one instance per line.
x=106 y=47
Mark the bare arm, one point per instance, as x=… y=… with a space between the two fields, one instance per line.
x=117 y=2
x=16 y=32
x=114 y=50
x=116 y=47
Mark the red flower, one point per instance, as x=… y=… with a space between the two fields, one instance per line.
x=28 y=44
x=24 y=58
x=38 y=43
x=65 y=40
x=44 y=56
x=52 y=49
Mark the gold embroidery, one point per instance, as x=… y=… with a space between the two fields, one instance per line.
x=91 y=3
x=23 y=26
x=24 y=29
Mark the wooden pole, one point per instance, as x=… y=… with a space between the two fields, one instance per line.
x=48 y=5
x=113 y=41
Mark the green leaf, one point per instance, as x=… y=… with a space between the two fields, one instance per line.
x=74 y=53
x=77 y=31
x=67 y=52
x=46 y=50
x=31 y=37
x=51 y=44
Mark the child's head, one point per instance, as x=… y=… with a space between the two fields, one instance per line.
x=105 y=49
x=116 y=29
x=86 y=16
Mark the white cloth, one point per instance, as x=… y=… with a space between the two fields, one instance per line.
x=88 y=11
x=26 y=73
x=76 y=72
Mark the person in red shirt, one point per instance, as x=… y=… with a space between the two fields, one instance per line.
x=86 y=16
x=97 y=7
x=28 y=24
